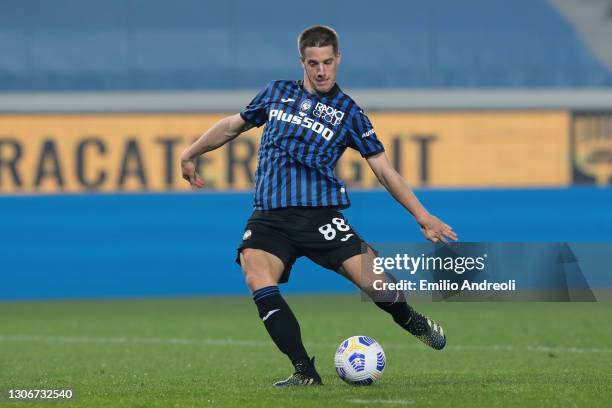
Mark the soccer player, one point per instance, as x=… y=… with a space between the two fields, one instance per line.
x=308 y=124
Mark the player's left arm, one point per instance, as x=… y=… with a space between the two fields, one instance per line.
x=432 y=228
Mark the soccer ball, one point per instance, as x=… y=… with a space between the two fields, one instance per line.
x=360 y=360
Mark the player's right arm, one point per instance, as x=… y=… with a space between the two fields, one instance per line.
x=255 y=114
x=219 y=134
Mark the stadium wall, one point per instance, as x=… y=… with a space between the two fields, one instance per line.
x=183 y=244
x=92 y=205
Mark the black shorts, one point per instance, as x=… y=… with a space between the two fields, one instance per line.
x=321 y=234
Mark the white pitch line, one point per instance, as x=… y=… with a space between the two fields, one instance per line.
x=136 y=340
x=379 y=401
x=540 y=349
x=260 y=343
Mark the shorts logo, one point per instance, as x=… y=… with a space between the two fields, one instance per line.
x=247 y=235
x=328 y=114
x=346 y=237
x=305 y=105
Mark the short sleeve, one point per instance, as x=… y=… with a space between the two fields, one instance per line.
x=256 y=111
x=362 y=136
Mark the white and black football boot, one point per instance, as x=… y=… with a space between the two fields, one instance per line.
x=305 y=374
x=426 y=330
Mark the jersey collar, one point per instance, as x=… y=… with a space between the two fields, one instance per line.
x=329 y=94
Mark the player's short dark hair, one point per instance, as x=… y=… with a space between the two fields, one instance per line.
x=318 y=36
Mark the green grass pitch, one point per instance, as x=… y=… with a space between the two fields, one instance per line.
x=215 y=352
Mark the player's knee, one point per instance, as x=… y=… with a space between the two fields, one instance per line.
x=256 y=280
x=255 y=273
x=252 y=279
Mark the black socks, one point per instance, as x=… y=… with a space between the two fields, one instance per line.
x=397 y=308
x=281 y=324
x=284 y=329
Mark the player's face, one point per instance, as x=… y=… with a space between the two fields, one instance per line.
x=320 y=66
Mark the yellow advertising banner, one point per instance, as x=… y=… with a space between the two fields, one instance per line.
x=139 y=152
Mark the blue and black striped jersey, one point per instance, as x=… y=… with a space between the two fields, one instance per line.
x=304 y=136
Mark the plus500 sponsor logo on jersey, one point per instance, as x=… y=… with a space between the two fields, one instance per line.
x=305 y=122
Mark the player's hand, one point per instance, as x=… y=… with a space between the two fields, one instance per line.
x=188 y=168
x=435 y=230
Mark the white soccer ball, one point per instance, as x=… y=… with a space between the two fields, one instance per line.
x=360 y=360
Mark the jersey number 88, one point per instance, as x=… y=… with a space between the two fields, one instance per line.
x=329 y=232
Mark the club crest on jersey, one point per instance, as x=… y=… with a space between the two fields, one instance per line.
x=305 y=105
x=328 y=113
